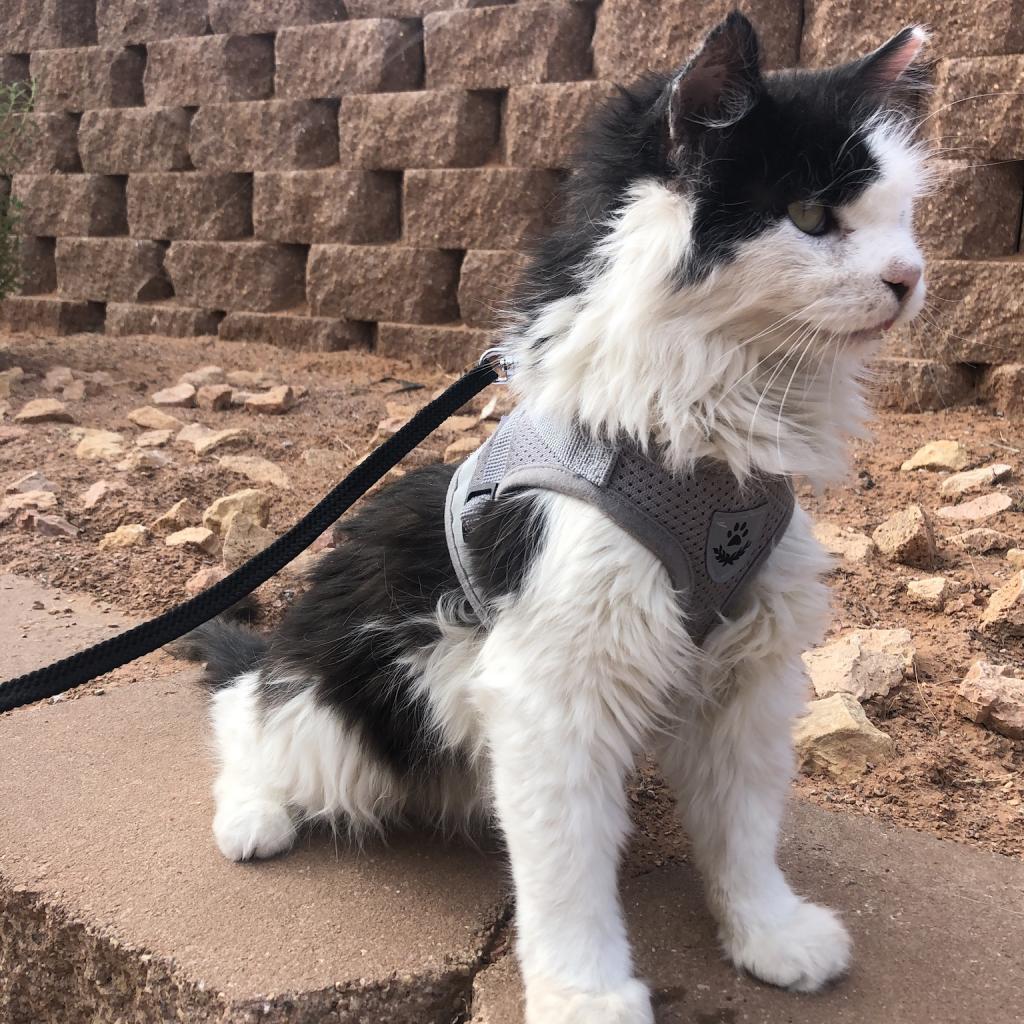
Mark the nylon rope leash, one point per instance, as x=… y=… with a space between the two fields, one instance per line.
x=148 y=636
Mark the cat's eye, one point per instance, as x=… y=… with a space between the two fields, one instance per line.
x=810 y=218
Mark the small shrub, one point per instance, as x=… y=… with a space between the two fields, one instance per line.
x=16 y=100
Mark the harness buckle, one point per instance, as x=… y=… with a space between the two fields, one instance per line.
x=496 y=359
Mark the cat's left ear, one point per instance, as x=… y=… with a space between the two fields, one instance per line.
x=893 y=71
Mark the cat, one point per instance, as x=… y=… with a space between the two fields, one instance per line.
x=733 y=244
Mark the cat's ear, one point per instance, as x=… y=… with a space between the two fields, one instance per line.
x=894 y=70
x=719 y=84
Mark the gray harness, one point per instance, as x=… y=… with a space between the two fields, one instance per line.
x=711 y=533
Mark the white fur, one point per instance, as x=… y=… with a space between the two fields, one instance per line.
x=591 y=662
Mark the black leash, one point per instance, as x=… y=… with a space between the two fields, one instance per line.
x=176 y=622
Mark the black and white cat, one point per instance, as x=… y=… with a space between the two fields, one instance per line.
x=732 y=247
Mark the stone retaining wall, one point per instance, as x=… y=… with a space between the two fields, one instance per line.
x=332 y=173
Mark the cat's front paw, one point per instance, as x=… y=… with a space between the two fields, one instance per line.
x=254 y=827
x=802 y=951
x=546 y=1003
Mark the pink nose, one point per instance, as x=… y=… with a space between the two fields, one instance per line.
x=902 y=278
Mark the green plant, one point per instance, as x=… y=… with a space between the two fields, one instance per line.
x=16 y=99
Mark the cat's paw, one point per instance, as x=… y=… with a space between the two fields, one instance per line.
x=802 y=951
x=628 y=1004
x=254 y=827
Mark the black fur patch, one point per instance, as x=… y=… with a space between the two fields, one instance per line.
x=227 y=648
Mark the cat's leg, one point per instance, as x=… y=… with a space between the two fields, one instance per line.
x=252 y=818
x=731 y=768
x=559 y=764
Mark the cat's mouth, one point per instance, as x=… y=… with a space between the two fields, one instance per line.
x=867 y=334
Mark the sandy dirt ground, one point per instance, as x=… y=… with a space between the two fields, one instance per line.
x=949 y=777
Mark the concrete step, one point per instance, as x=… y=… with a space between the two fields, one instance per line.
x=115 y=905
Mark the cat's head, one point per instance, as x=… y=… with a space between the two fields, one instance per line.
x=800 y=183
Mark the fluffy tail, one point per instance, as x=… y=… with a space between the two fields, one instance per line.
x=227 y=649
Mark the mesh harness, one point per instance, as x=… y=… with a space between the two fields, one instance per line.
x=710 y=532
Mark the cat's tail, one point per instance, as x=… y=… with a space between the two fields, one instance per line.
x=227 y=648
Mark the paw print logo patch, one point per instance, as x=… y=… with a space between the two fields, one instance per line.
x=734 y=540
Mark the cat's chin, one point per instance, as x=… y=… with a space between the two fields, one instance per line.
x=866 y=335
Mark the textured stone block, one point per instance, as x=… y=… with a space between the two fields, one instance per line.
x=88 y=77
x=840 y=30
x=70 y=204
x=495 y=47
x=111 y=269
x=490 y=208
x=326 y=206
x=978 y=108
x=273 y=135
x=302 y=333
x=413 y=8
x=439 y=128
x=486 y=283
x=375 y=55
x=633 y=36
x=248 y=17
x=256 y=276
x=14 y=67
x=1003 y=387
x=449 y=348
x=142 y=139
x=38 y=266
x=383 y=283
x=200 y=206
x=165 y=319
x=974 y=212
x=35 y=314
x=543 y=122
x=121 y=22
x=45 y=143
x=979 y=318
x=210 y=69
x=46 y=24
x=920 y=385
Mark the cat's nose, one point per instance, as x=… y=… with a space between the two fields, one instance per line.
x=902 y=278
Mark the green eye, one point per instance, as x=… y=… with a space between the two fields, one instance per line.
x=810 y=218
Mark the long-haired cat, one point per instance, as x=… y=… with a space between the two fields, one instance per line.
x=732 y=246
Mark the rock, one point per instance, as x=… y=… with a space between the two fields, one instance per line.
x=1015 y=556
x=982 y=540
x=243 y=538
x=460 y=448
x=99 y=445
x=389 y=427
x=240 y=397
x=95 y=382
x=273 y=402
x=974 y=481
x=198 y=537
x=44 y=410
x=203 y=377
x=204 y=440
x=256 y=469
x=867 y=663
x=214 y=397
x=192 y=432
x=34 y=481
x=178 y=517
x=183 y=395
x=249 y=379
x=907 y=537
x=39 y=501
x=57 y=378
x=100 y=491
x=144 y=460
x=841 y=540
x=1003 y=619
x=993 y=695
x=126 y=536
x=938 y=455
x=325 y=459
x=978 y=510
x=48 y=526
x=74 y=392
x=251 y=502
x=932 y=593
x=154 y=419
x=836 y=737
x=9 y=434
x=9 y=379
x=154 y=438
x=204 y=579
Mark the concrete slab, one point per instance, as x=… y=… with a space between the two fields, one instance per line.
x=938 y=931
x=116 y=906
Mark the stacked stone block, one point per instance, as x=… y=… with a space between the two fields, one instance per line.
x=337 y=173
